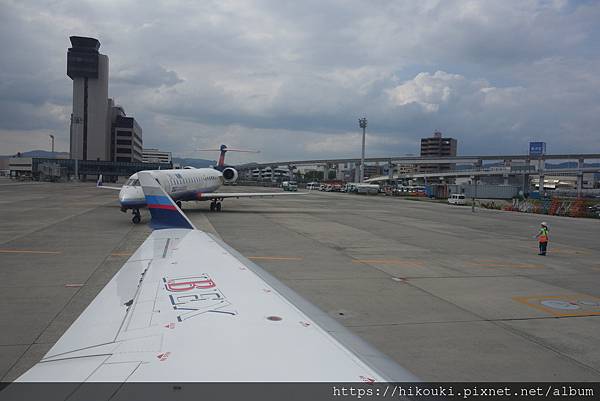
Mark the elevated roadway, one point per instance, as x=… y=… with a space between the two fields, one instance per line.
x=424 y=160
x=494 y=171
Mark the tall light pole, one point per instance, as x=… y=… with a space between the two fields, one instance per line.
x=52 y=139
x=362 y=122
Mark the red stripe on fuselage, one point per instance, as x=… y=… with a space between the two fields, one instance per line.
x=168 y=207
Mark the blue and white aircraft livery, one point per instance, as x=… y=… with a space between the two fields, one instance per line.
x=187 y=308
x=187 y=184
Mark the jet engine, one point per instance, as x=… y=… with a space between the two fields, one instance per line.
x=230 y=175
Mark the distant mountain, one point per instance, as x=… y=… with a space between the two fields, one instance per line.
x=198 y=163
x=40 y=153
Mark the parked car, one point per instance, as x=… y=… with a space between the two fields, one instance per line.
x=457 y=199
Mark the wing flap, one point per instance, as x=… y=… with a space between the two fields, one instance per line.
x=114 y=372
x=102 y=319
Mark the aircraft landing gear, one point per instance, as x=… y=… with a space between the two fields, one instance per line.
x=215 y=206
x=178 y=203
x=137 y=218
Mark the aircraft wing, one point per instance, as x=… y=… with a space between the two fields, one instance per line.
x=100 y=184
x=105 y=187
x=223 y=195
x=186 y=307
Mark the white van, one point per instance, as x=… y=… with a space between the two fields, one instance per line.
x=289 y=186
x=313 y=185
x=457 y=199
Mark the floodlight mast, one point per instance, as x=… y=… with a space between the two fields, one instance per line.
x=362 y=122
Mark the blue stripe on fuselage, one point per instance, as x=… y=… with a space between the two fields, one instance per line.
x=157 y=200
x=135 y=204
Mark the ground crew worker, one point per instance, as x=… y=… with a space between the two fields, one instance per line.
x=543 y=238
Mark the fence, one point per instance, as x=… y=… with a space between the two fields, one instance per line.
x=557 y=207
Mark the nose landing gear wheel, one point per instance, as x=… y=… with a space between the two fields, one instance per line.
x=137 y=218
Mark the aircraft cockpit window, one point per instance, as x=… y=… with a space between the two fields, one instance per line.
x=132 y=182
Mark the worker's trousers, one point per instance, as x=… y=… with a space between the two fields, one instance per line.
x=543 y=247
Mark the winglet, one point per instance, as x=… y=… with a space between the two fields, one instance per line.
x=99 y=182
x=165 y=213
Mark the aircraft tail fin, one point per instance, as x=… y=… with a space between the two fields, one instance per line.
x=165 y=213
x=223 y=149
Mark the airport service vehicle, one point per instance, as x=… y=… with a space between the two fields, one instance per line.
x=409 y=191
x=186 y=307
x=367 y=188
x=313 y=186
x=350 y=187
x=457 y=199
x=289 y=186
x=187 y=184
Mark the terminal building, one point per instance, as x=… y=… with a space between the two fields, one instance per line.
x=156 y=156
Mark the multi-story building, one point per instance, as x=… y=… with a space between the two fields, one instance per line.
x=373 y=170
x=406 y=168
x=156 y=156
x=437 y=146
x=128 y=140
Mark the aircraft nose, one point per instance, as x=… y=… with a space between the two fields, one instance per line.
x=130 y=195
x=123 y=196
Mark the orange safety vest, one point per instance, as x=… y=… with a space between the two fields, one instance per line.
x=543 y=235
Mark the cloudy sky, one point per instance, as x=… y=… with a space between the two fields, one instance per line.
x=292 y=77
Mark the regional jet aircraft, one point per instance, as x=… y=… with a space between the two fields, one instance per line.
x=187 y=184
x=186 y=307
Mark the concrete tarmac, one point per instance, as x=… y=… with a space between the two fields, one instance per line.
x=449 y=294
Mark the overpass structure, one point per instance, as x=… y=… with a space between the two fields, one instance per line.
x=475 y=160
x=527 y=165
x=494 y=171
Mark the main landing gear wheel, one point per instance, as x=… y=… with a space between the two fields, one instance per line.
x=215 y=206
x=137 y=218
x=178 y=203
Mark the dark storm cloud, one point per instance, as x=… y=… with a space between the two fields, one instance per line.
x=292 y=78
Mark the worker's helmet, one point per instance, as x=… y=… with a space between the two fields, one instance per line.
x=544 y=224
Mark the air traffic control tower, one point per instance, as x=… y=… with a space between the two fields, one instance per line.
x=90 y=127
